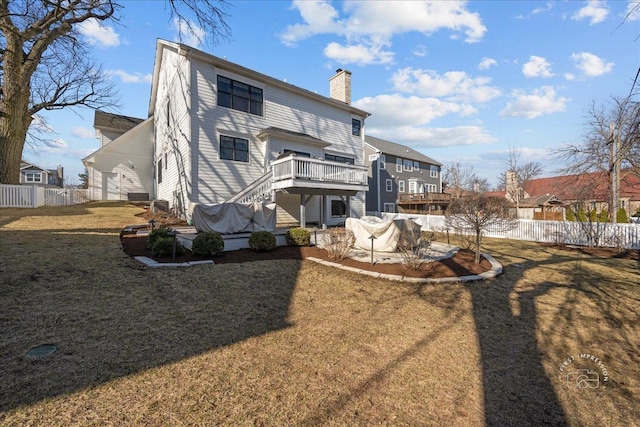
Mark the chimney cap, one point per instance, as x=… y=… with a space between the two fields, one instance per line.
x=338 y=70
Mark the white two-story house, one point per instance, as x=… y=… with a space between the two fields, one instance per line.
x=222 y=132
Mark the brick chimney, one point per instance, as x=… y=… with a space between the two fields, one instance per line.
x=340 y=86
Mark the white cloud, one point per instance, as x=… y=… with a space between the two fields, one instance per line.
x=369 y=26
x=633 y=10
x=537 y=67
x=487 y=63
x=98 y=34
x=188 y=32
x=423 y=137
x=454 y=85
x=569 y=76
x=590 y=64
x=396 y=110
x=540 y=101
x=82 y=132
x=131 y=78
x=358 y=54
x=420 y=50
x=547 y=7
x=595 y=10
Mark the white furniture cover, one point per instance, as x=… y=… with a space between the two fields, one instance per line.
x=229 y=218
x=387 y=233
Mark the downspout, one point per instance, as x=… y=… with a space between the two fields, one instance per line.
x=378 y=181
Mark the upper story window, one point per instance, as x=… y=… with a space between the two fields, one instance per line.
x=408 y=165
x=33 y=177
x=401 y=186
x=389 y=185
x=240 y=96
x=416 y=166
x=383 y=161
x=356 y=127
x=433 y=171
x=398 y=164
x=236 y=149
x=341 y=159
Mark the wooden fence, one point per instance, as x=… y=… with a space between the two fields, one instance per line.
x=567 y=232
x=33 y=196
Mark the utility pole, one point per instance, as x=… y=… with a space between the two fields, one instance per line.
x=615 y=177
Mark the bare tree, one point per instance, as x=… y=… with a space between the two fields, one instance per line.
x=477 y=214
x=459 y=179
x=611 y=142
x=518 y=176
x=46 y=65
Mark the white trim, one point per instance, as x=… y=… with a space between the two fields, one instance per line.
x=389 y=185
x=401 y=186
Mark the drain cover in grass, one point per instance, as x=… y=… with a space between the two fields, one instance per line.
x=42 y=350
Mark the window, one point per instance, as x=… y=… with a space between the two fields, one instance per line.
x=412 y=187
x=159 y=167
x=236 y=149
x=401 y=186
x=340 y=159
x=416 y=166
x=432 y=188
x=338 y=209
x=408 y=165
x=390 y=207
x=33 y=177
x=433 y=171
x=398 y=164
x=356 y=127
x=239 y=96
x=389 y=185
x=383 y=161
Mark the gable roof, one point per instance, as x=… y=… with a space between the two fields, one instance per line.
x=588 y=186
x=399 y=150
x=223 y=64
x=103 y=120
x=26 y=165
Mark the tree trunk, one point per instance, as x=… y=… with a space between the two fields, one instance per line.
x=477 y=246
x=14 y=123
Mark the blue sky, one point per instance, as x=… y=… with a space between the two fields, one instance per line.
x=458 y=81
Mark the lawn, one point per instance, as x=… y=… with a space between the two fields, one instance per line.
x=291 y=342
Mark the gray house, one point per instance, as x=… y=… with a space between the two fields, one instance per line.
x=402 y=179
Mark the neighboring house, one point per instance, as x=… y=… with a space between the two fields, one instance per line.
x=122 y=168
x=402 y=179
x=546 y=198
x=35 y=175
x=222 y=132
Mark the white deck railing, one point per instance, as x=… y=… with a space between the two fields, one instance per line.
x=318 y=170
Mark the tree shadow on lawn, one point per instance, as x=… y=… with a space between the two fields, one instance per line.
x=110 y=317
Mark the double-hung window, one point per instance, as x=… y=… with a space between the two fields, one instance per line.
x=389 y=186
x=356 y=127
x=408 y=165
x=240 y=96
x=383 y=161
x=33 y=177
x=433 y=171
x=398 y=164
x=236 y=149
x=401 y=186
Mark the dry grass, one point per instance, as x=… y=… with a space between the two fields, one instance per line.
x=295 y=343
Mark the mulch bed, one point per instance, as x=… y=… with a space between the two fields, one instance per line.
x=461 y=264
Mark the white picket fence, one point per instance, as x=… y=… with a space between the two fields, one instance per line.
x=33 y=196
x=567 y=232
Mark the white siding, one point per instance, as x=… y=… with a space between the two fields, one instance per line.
x=216 y=180
x=173 y=131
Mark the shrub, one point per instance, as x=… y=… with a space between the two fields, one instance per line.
x=413 y=246
x=156 y=234
x=262 y=241
x=621 y=217
x=208 y=243
x=570 y=215
x=338 y=243
x=298 y=237
x=163 y=246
